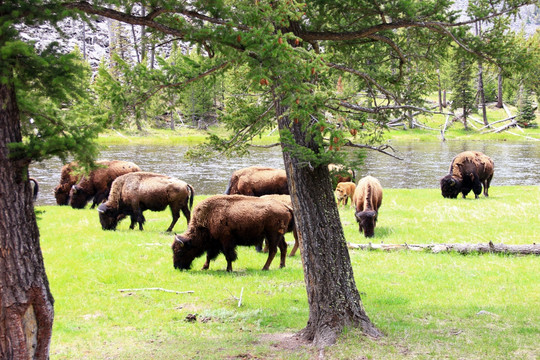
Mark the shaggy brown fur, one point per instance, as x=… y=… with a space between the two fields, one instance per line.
x=133 y=193
x=258 y=181
x=469 y=170
x=368 y=199
x=222 y=222
x=67 y=180
x=344 y=191
x=286 y=199
x=98 y=183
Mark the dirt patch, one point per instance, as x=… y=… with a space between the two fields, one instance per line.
x=286 y=341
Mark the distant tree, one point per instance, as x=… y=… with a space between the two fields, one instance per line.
x=462 y=94
x=526 y=116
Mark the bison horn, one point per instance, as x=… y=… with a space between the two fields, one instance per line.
x=102 y=208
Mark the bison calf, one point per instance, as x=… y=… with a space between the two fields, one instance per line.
x=222 y=222
x=368 y=199
x=133 y=193
x=469 y=170
x=344 y=191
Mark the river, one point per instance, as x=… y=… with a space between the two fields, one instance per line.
x=423 y=164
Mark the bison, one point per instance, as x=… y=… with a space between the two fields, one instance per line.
x=222 y=222
x=344 y=191
x=368 y=199
x=286 y=199
x=98 y=183
x=469 y=170
x=68 y=178
x=257 y=181
x=133 y=193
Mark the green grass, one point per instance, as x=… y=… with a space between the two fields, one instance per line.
x=427 y=305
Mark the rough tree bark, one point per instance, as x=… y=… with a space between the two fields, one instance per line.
x=334 y=300
x=26 y=303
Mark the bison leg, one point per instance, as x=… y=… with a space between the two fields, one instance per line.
x=187 y=213
x=133 y=222
x=296 y=243
x=282 y=251
x=272 y=241
x=211 y=254
x=230 y=255
x=487 y=182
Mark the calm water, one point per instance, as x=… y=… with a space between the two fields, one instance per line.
x=422 y=166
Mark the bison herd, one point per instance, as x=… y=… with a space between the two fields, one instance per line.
x=256 y=207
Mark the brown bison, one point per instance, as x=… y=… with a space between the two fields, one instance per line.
x=344 y=192
x=340 y=174
x=222 y=222
x=98 y=183
x=133 y=193
x=68 y=178
x=286 y=199
x=368 y=199
x=469 y=170
x=257 y=181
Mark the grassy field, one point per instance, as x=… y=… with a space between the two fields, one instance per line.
x=429 y=306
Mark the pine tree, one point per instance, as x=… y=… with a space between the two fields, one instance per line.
x=526 y=116
x=462 y=96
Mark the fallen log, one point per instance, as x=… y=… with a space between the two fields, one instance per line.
x=533 y=249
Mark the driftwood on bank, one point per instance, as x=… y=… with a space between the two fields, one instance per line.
x=533 y=249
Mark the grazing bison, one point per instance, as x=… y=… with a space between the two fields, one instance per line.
x=257 y=181
x=368 y=199
x=133 y=193
x=98 y=183
x=67 y=179
x=340 y=174
x=222 y=222
x=469 y=170
x=286 y=199
x=344 y=191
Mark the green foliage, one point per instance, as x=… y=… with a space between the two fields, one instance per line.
x=526 y=116
x=462 y=89
x=56 y=113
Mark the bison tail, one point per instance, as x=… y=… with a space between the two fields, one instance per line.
x=191 y=197
x=36 y=188
x=229 y=186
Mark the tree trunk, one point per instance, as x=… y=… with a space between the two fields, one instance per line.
x=26 y=304
x=500 y=91
x=444 y=99
x=334 y=300
x=439 y=90
x=481 y=93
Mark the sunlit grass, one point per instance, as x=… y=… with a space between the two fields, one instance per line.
x=427 y=305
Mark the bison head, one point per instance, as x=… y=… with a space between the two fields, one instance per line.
x=108 y=217
x=450 y=187
x=61 y=194
x=366 y=222
x=183 y=252
x=78 y=198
